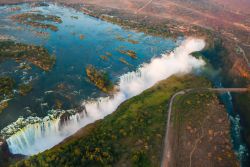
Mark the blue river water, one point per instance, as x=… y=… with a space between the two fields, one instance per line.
x=67 y=82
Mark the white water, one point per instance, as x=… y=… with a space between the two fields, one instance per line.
x=38 y=137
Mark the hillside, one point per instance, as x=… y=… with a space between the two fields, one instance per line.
x=131 y=136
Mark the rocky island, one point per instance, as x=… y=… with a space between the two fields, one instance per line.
x=37 y=20
x=6 y=91
x=130 y=53
x=36 y=55
x=100 y=79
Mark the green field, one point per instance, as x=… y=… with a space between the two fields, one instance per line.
x=131 y=136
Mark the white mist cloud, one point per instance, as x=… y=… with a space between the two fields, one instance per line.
x=39 y=137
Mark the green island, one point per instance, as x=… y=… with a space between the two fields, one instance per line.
x=133 y=41
x=124 y=61
x=120 y=38
x=39 y=4
x=130 y=53
x=106 y=56
x=24 y=89
x=37 y=55
x=100 y=79
x=103 y=57
x=135 y=140
x=37 y=20
x=6 y=91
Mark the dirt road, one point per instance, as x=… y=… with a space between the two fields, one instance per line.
x=166 y=158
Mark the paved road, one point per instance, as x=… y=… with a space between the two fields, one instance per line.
x=167 y=141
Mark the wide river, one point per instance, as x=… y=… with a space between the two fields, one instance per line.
x=80 y=41
x=66 y=83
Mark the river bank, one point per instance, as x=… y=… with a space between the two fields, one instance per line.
x=174 y=29
x=223 y=50
x=138 y=136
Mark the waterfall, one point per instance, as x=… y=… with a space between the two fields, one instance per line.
x=19 y=142
x=31 y=138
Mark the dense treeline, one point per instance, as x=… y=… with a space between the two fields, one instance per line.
x=131 y=136
x=37 y=55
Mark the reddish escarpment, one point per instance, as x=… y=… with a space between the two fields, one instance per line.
x=214 y=14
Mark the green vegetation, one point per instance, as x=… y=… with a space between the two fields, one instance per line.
x=149 y=25
x=37 y=20
x=166 y=28
x=191 y=106
x=6 y=91
x=6 y=85
x=197 y=54
x=124 y=61
x=100 y=79
x=216 y=53
x=3 y=154
x=39 y=4
x=131 y=136
x=24 y=89
x=41 y=25
x=104 y=57
x=24 y=66
x=198 y=118
x=162 y=30
x=130 y=53
x=133 y=41
x=58 y=104
x=36 y=17
x=36 y=55
x=3 y=105
x=120 y=38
